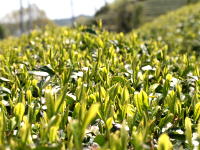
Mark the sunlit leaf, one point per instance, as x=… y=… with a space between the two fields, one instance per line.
x=188 y=131
x=19 y=110
x=90 y=115
x=164 y=143
x=197 y=111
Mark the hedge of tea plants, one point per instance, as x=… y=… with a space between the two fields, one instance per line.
x=179 y=29
x=86 y=88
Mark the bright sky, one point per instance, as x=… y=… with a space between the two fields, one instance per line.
x=55 y=9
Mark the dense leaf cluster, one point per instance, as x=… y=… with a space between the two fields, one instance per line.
x=84 y=88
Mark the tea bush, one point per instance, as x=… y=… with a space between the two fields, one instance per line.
x=179 y=29
x=86 y=88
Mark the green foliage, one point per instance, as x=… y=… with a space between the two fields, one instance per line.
x=126 y=15
x=197 y=111
x=37 y=21
x=2 y=32
x=141 y=102
x=178 y=29
x=19 y=111
x=164 y=142
x=112 y=15
x=188 y=131
x=63 y=88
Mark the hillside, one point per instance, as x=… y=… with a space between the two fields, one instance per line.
x=135 y=12
x=155 y=8
x=86 y=88
x=178 y=29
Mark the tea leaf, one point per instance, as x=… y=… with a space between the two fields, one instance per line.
x=2 y=127
x=197 y=111
x=188 y=131
x=19 y=110
x=90 y=115
x=125 y=94
x=164 y=143
x=141 y=100
x=109 y=123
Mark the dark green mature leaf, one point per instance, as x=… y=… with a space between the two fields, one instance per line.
x=89 y=30
x=100 y=139
x=47 y=69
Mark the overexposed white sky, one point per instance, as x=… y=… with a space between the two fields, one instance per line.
x=55 y=9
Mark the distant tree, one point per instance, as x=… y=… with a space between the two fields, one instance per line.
x=2 y=32
x=38 y=20
x=129 y=17
x=192 y=1
x=121 y=16
x=102 y=10
x=125 y=15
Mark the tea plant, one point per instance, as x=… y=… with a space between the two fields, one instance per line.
x=86 y=88
x=179 y=29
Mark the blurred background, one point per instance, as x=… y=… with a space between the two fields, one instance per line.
x=22 y=16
